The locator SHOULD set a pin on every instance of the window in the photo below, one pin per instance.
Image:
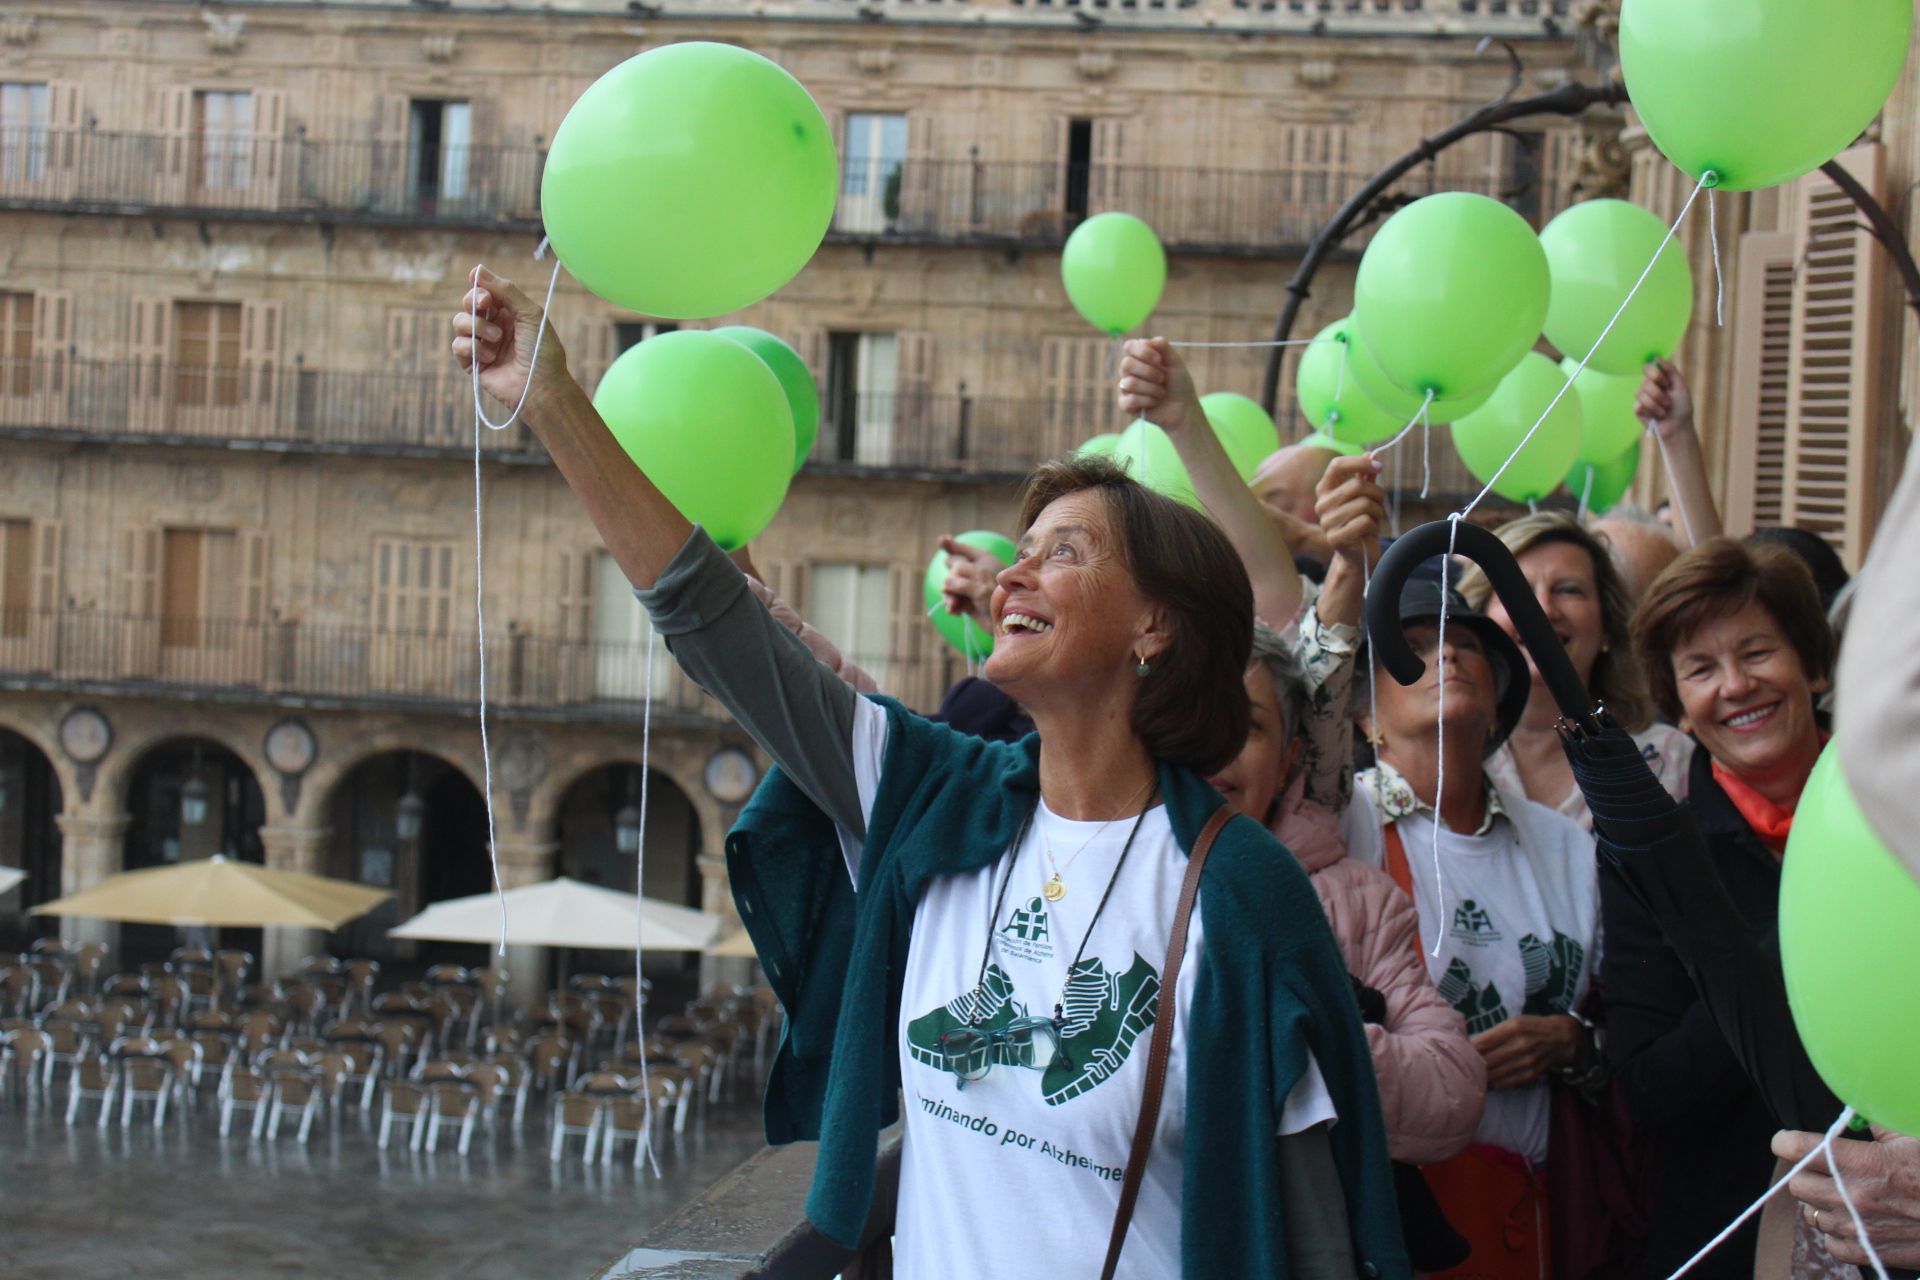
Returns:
(852, 606)
(862, 382)
(16, 577)
(223, 125)
(413, 586)
(628, 334)
(206, 354)
(873, 162)
(16, 344)
(620, 631)
(439, 151)
(24, 117)
(1079, 167)
(199, 573)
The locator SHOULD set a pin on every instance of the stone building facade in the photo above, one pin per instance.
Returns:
(237, 467)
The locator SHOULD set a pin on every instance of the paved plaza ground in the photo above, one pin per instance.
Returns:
(184, 1202)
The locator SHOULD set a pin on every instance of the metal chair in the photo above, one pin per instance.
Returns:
(575, 1115)
(403, 1103)
(244, 1090)
(93, 1078)
(149, 1080)
(451, 1101)
(293, 1088)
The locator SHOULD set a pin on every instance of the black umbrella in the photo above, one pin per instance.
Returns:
(1644, 835)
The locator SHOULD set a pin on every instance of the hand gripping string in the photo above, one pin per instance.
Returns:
(1527, 439)
(533, 360)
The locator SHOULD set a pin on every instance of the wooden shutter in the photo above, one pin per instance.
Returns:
(391, 178)
(49, 601)
(907, 624)
(250, 618)
(913, 389)
(429, 404)
(149, 344)
(1073, 391)
(1762, 356)
(173, 124)
(921, 184)
(66, 126)
(591, 352)
(262, 343)
(52, 350)
(1054, 150)
(1835, 374)
(139, 606)
(1107, 175)
(486, 192)
(573, 655)
(268, 147)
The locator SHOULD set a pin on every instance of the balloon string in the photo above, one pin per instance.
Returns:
(640, 912)
(1586, 494)
(1440, 731)
(1719, 278)
(480, 634)
(1624, 304)
(1418, 418)
(1426, 457)
(1825, 1148)
(1853, 1210)
(1396, 495)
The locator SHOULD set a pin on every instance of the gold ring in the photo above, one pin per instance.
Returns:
(1816, 1224)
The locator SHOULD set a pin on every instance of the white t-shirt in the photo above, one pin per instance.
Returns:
(1044, 1151)
(1521, 922)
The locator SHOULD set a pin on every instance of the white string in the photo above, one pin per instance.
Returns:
(1440, 729)
(1396, 495)
(480, 632)
(533, 360)
(1426, 456)
(640, 911)
(1846, 1117)
(1373, 688)
(1719, 279)
(1586, 494)
(1533, 506)
(1624, 304)
(1294, 342)
(1853, 1211)
(1418, 418)
(1679, 507)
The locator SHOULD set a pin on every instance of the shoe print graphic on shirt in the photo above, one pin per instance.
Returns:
(1104, 1014)
(1482, 1007)
(988, 1007)
(1553, 973)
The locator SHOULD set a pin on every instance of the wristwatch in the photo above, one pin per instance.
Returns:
(1589, 1078)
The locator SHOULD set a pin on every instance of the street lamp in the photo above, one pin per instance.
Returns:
(626, 824)
(411, 813)
(194, 796)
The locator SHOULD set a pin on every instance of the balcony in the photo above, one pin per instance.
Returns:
(285, 661)
(1008, 204)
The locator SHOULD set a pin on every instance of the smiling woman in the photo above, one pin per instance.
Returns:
(1736, 648)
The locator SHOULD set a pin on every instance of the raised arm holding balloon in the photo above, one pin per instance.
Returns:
(1665, 404)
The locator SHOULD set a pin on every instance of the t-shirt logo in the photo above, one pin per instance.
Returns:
(1481, 1006)
(1472, 924)
(1553, 973)
(1027, 934)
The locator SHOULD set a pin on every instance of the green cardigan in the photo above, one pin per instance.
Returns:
(1270, 984)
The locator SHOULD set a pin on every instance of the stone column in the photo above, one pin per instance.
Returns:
(301, 849)
(529, 969)
(92, 847)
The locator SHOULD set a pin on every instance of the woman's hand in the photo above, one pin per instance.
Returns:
(1155, 385)
(1353, 509)
(971, 574)
(1665, 403)
(1522, 1050)
(1883, 1177)
(508, 323)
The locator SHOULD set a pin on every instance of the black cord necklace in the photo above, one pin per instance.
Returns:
(986, 952)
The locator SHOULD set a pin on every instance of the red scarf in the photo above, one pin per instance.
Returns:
(1769, 821)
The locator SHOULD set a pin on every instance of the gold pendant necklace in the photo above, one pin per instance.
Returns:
(1056, 888)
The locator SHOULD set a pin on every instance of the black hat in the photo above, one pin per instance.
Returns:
(1420, 599)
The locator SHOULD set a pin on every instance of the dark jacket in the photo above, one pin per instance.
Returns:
(1709, 1125)
(1270, 985)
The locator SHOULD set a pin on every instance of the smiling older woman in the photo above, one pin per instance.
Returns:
(1736, 648)
(978, 927)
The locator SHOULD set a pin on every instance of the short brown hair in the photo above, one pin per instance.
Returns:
(1721, 577)
(1193, 709)
(1616, 680)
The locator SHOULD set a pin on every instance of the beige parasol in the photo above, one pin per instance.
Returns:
(565, 913)
(220, 892)
(9, 877)
(735, 946)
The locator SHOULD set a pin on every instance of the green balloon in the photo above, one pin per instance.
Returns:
(1244, 429)
(1486, 437)
(1758, 92)
(1850, 947)
(708, 423)
(1450, 294)
(1608, 425)
(1401, 405)
(969, 639)
(1114, 269)
(803, 397)
(1609, 480)
(1100, 446)
(1321, 440)
(1596, 252)
(691, 180)
(1330, 396)
(1149, 456)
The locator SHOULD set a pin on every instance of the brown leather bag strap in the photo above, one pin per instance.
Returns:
(1161, 1047)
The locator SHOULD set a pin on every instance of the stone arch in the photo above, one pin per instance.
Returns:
(117, 770)
(30, 834)
(338, 759)
(44, 740)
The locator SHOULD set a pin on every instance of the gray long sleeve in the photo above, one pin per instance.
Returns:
(1319, 1233)
(729, 645)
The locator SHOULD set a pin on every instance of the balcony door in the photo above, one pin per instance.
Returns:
(415, 648)
(212, 613)
(35, 341)
(439, 154)
(873, 165)
(862, 385)
(620, 630)
(852, 605)
(30, 599)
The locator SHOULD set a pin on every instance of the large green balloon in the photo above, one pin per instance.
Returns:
(709, 424)
(1401, 405)
(1608, 426)
(1850, 948)
(691, 180)
(1244, 429)
(803, 397)
(1114, 269)
(1487, 436)
(1321, 440)
(1759, 92)
(1330, 396)
(969, 639)
(1100, 446)
(1609, 480)
(1149, 456)
(1451, 293)
(1595, 253)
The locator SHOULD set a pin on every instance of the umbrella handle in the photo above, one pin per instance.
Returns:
(1389, 640)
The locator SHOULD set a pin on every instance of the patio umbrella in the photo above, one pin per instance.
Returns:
(220, 892)
(735, 946)
(564, 913)
(1644, 835)
(9, 877)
